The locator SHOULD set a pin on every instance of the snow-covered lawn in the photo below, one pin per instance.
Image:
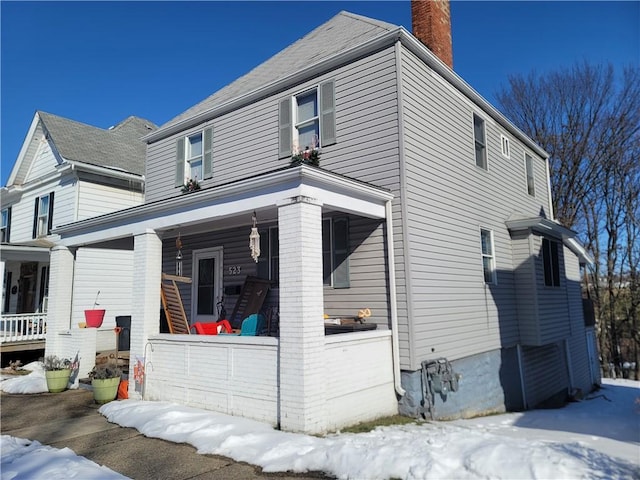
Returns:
(597, 438)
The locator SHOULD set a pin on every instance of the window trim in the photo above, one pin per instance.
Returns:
(491, 255)
(551, 263)
(296, 124)
(182, 163)
(5, 225)
(36, 233)
(485, 156)
(334, 253)
(189, 158)
(531, 185)
(505, 146)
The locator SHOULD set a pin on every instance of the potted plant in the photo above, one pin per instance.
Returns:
(94, 317)
(104, 381)
(57, 372)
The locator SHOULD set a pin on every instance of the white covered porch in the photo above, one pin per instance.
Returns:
(302, 381)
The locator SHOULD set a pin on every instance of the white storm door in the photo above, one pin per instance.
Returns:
(206, 289)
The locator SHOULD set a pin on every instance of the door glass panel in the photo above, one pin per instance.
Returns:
(206, 269)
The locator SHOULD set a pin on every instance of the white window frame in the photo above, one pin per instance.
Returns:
(482, 143)
(4, 225)
(42, 229)
(529, 174)
(490, 255)
(189, 158)
(297, 124)
(505, 146)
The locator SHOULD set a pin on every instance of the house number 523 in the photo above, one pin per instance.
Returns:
(235, 270)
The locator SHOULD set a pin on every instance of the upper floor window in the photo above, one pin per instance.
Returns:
(307, 120)
(551, 263)
(43, 216)
(479, 138)
(335, 252)
(505, 145)
(194, 157)
(488, 258)
(528, 164)
(5, 225)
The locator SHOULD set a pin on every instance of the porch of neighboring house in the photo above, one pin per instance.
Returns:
(291, 374)
(25, 273)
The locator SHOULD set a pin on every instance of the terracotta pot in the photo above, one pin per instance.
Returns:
(57, 380)
(94, 318)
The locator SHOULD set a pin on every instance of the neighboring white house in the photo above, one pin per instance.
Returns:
(429, 208)
(67, 171)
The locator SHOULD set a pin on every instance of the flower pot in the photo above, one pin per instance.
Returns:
(105, 389)
(94, 318)
(57, 380)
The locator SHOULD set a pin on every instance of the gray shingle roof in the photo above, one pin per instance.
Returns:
(118, 147)
(345, 30)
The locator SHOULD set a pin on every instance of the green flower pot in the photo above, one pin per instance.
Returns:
(57, 380)
(105, 389)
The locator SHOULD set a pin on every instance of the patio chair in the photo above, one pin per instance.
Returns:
(252, 326)
(212, 328)
(172, 303)
(252, 296)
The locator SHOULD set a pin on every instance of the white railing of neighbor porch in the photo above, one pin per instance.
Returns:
(22, 327)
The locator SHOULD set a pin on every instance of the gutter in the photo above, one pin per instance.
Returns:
(395, 343)
(106, 171)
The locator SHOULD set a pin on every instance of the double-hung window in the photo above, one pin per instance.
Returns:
(480, 142)
(5, 225)
(528, 166)
(307, 120)
(335, 252)
(488, 257)
(43, 216)
(194, 157)
(551, 263)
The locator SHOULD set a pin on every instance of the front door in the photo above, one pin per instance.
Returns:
(207, 285)
(27, 288)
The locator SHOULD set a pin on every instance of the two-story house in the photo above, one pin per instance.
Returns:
(66, 171)
(429, 208)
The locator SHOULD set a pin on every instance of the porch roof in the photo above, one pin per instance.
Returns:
(265, 191)
(34, 252)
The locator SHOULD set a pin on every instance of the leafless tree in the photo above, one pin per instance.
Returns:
(588, 120)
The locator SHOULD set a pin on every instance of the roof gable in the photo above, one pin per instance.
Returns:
(118, 147)
(341, 32)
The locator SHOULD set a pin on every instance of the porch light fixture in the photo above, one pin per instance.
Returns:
(254, 239)
(179, 256)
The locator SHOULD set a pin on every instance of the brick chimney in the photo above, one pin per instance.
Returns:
(431, 23)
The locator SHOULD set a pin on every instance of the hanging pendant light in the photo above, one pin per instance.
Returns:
(179, 256)
(254, 239)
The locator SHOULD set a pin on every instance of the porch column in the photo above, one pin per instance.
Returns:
(302, 385)
(61, 266)
(145, 311)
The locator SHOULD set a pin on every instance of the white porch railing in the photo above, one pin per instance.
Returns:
(22, 327)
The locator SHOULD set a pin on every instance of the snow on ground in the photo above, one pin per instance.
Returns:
(597, 438)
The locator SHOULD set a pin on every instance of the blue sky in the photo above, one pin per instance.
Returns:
(99, 62)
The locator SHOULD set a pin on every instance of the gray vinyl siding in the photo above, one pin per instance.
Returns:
(581, 373)
(367, 148)
(553, 314)
(367, 262)
(448, 198)
(526, 288)
(544, 371)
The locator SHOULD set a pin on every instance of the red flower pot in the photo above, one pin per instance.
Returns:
(94, 318)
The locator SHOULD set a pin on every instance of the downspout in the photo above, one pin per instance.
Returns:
(395, 344)
(521, 371)
(551, 212)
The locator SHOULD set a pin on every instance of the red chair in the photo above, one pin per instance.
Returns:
(213, 328)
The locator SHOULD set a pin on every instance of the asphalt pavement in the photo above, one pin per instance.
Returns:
(71, 419)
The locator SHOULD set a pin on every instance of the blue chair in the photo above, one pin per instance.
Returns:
(251, 326)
